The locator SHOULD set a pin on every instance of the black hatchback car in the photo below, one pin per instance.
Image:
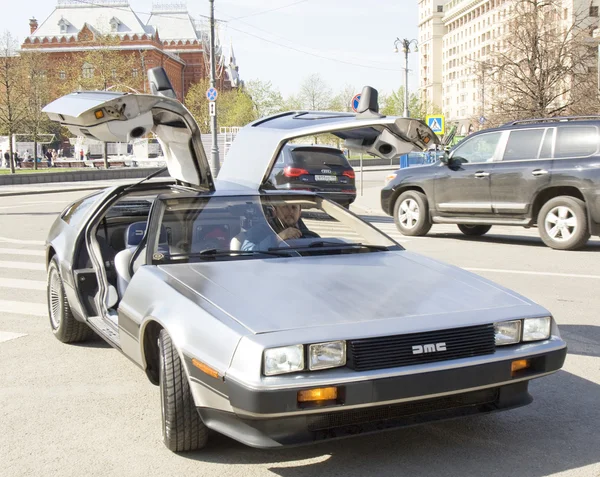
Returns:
(542, 172)
(321, 169)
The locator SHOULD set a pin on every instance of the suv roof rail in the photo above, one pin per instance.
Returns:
(549, 120)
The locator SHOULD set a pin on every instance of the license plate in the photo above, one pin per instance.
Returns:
(326, 178)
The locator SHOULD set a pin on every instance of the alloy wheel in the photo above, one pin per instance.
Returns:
(409, 213)
(561, 223)
(55, 298)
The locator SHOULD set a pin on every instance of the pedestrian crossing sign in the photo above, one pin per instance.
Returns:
(437, 124)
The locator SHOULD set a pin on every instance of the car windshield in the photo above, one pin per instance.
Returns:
(207, 228)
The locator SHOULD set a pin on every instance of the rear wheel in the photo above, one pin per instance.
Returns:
(411, 213)
(64, 325)
(562, 223)
(474, 230)
(182, 428)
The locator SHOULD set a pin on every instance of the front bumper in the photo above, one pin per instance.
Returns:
(386, 199)
(265, 418)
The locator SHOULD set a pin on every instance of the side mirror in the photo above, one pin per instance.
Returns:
(445, 158)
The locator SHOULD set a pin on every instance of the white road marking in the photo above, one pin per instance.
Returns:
(28, 242)
(28, 204)
(526, 272)
(23, 265)
(22, 251)
(7, 336)
(22, 308)
(22, 284)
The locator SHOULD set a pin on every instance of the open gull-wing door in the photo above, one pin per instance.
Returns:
(256, 147)
(120, 117)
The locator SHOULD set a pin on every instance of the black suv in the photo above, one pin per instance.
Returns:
(543, 172)
(321, 169)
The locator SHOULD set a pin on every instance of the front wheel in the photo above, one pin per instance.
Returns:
(64, 325)
(562, 223)
(474, 230)
(182, 428)
(411, 213)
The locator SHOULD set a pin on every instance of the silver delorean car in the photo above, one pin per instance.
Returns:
(277, 317)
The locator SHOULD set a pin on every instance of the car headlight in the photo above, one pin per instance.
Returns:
(507, 332)
(327, 355)
(287, 359)
(535, 329)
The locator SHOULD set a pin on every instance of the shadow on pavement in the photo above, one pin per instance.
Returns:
(592, 246)
(556, 433)
(583, 340)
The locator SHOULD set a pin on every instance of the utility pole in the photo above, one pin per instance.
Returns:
(215, 165)
(406, 50)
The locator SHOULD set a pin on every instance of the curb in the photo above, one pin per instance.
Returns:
(51, 191)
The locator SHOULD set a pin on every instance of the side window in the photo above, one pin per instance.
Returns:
(523, 144)
(576, 141)
(74, 214)
(478, 149)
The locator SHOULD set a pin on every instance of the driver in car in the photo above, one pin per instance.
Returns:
(284, 225)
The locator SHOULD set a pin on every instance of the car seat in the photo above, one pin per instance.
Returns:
(134, 234)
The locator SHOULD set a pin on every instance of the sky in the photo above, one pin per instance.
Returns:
(348, 42)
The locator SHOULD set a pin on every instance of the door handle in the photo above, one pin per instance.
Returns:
(480, 174)
(539, 172)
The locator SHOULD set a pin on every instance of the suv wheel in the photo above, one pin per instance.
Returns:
(562, 223)
(474, 230)
(411, 213)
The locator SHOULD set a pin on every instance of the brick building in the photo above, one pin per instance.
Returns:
(171, 38)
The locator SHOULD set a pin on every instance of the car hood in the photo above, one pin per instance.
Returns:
(281, 294)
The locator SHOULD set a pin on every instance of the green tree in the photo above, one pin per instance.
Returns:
(315, 94)
(13, 100)
(265, 98)
(393, 105)
(234, 108)
(343, 100)
(37, 91)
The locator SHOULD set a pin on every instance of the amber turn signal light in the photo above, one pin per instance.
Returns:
(318, 394)
(518, 365)
(205, 369)
(99, 114)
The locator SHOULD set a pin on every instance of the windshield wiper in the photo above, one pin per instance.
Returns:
(325, 243)
(214, 252)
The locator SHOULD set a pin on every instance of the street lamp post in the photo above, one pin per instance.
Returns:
(406, 50)
(215, 147)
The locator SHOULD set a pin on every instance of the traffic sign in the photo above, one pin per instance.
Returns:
(211, 94)
(212, 108)
(355, 102)
(437, 124)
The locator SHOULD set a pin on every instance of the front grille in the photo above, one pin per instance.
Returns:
(393, 351)
(472, 400)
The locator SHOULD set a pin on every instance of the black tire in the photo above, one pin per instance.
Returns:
(182, 428)
(422, 225)
(577, 229)
(474, 230)
(62, 322)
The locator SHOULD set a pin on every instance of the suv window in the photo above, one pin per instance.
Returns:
(523, 144)
(481, 148)
(576, 141)
(318, 158)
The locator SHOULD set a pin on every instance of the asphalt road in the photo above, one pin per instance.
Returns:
(70, 410)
